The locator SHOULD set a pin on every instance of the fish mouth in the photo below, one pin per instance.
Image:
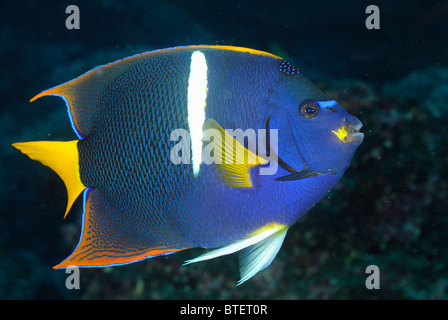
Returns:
(354, 133)
(350, 131)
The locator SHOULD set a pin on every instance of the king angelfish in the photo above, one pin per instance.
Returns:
(214, 147)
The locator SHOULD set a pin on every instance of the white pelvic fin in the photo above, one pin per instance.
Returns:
(261, 250)
(259, 256)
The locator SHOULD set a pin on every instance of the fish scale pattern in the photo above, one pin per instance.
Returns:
(126, 156)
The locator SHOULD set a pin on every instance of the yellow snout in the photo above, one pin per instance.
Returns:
(350, 132)
(341, 133)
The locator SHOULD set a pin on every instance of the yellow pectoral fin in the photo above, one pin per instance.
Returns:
(60, 156)
(234, 169)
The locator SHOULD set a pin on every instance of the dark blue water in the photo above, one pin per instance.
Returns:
(389, 210)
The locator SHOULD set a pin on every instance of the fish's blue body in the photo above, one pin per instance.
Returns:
(140, 204)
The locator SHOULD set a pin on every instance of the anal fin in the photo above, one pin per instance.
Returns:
(104, 242)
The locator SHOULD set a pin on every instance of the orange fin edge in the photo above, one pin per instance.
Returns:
(97, 248)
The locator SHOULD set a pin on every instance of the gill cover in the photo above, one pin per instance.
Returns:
(292, 90)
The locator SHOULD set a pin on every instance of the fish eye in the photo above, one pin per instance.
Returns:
(309, 109)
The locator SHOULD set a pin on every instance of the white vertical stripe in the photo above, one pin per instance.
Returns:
(197, 95)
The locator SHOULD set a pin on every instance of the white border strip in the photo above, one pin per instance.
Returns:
(197, 96)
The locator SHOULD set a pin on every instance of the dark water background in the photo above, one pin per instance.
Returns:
(389, 210)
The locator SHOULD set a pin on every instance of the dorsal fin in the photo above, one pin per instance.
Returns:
(81, 94)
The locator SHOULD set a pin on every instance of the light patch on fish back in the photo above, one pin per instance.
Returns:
(197, 96)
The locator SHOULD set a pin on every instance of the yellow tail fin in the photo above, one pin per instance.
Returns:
(60, 156)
